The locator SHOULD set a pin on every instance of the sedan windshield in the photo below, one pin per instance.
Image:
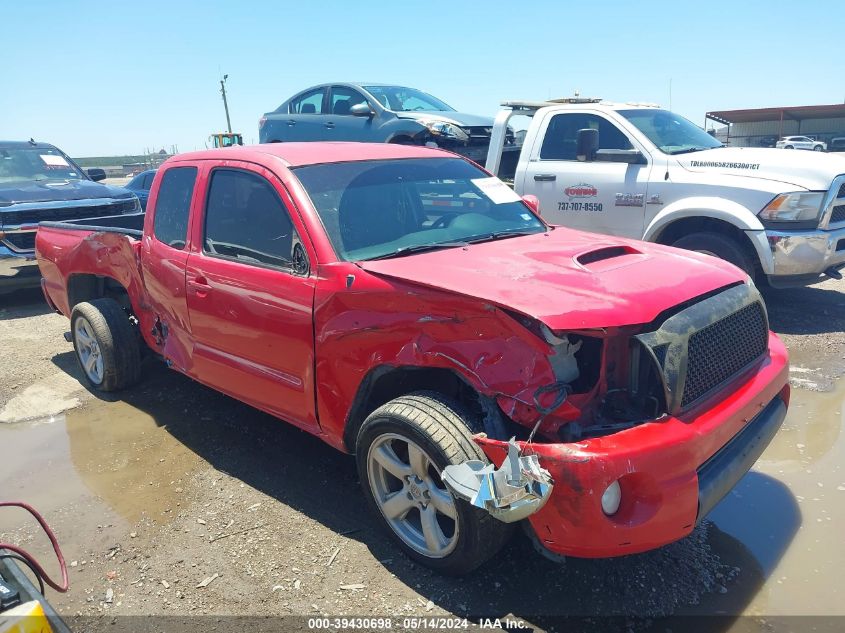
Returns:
(401, 99)
(672, 134)
(26, 164)
(394, 208)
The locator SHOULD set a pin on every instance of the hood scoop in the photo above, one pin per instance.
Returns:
(608, 257)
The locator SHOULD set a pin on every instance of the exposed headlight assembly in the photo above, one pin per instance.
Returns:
(444, 129)
(799, 207)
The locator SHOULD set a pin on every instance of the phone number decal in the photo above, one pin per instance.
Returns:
(579, 206)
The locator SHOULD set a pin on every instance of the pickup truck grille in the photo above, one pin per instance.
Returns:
(723, 349)
(838, 214)
(707, 344)
(20, 241)
(60, 214)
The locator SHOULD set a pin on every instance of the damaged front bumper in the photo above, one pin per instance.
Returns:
(510, 493)
(670, 472)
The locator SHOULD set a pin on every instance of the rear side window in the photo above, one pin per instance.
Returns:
(246, 221)
(173, 205)
(309, 103)
(561, 140)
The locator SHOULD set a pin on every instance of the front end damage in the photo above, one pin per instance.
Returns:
(610, 459)
(510, 493)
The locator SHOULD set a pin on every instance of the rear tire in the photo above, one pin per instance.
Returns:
(789, 147)
(417, 436)
(106, 345)
(717, 245)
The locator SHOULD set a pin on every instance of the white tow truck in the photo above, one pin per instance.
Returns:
(642, 172)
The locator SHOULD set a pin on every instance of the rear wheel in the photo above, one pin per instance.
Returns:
(789, 147)
(106, 345)
(717, 245)
(402, 448)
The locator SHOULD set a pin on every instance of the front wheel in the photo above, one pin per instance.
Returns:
(818, 148)
(402, 448)
(717, 245)
(106, 345)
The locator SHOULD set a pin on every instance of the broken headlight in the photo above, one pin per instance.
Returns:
(444, 129)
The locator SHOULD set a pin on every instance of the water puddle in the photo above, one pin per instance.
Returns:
(106, 456)
(780, 524)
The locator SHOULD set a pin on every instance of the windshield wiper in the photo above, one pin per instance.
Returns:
(419, 248)
(694, 149)
(500, 235)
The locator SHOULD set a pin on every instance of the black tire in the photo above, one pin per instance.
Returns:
(402, 140)
(789, 147)
(818, 148)
(439, 426)
(118, 343)
(718, 245)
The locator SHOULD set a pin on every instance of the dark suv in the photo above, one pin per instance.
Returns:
(40, 182)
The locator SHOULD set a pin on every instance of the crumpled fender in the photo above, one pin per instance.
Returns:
(391, 324)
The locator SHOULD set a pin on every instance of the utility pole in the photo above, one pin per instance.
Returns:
(225, 103)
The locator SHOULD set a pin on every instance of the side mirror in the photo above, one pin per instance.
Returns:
(587, 144)
(361, 109)
(96, 174)
(630, 156)
(532, 202)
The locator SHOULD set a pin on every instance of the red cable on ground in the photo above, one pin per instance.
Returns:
(40, 570)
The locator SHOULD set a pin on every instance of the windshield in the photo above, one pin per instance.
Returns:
(374, 209)
(401, 99)
(671, 133)
(26, 164)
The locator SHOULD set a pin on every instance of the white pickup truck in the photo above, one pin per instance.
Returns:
(639, 171)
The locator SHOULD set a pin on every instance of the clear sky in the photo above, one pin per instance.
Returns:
(100, 78)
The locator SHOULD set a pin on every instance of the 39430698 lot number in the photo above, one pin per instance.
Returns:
(579, 206)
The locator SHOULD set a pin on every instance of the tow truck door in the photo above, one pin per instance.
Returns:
(598, 196)
(251, 292)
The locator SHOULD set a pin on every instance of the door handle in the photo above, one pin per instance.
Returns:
(291, 122)
(544, 177)
(330, 125)
(199, 285)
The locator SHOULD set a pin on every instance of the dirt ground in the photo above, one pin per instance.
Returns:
(175, 499)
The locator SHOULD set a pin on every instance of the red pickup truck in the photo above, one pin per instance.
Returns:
(405, 306)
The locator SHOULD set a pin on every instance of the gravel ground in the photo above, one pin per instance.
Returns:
(197, 504)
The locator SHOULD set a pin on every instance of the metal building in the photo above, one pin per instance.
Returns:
(762, 127)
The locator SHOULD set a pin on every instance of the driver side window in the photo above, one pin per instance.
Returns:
(247, 222)
(343, 99)
(561, 139)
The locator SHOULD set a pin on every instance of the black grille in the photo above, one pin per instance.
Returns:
(841, 193)
(838, 214)
(723, 349)
(21, 241)
(33, 216)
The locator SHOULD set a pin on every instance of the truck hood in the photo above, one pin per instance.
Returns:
(56, 191)
(567, 279)
(802, 169)
(458, 118)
